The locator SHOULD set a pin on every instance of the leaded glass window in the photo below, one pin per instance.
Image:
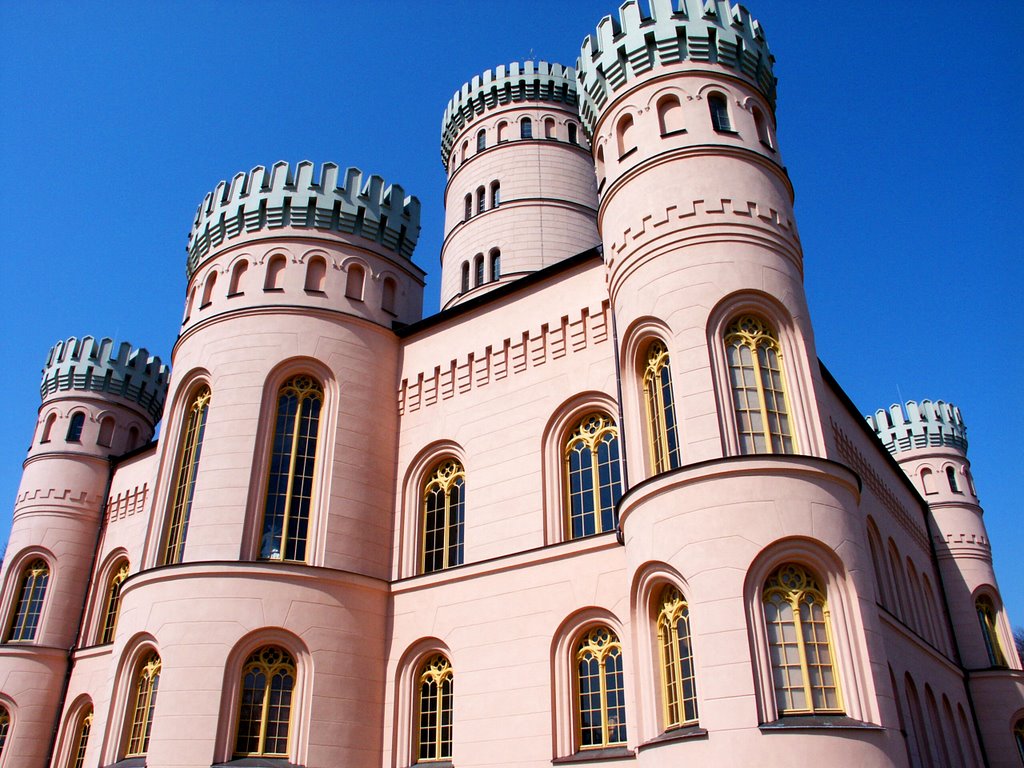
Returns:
(81, 741)
(185, 476)
(990, 634)
(444, 508)
(29, 604)
(113, 605)
(143, 704)
(600, 689)
(679, 688)
(592, 475)
(5, 726)
(434, 710)
(663, 429)
(264, 719)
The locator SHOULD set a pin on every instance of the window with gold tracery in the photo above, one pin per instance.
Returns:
(592, 476)
(758, 387)
(185, 476)
(144, 702)
(662, 428)
(600, 690)
(113, 604)
(29, 604)
(987, 618)
(678, 680)
(1018, 735)
(264, 718)
(78, 747)
(444, 508)
(434, 710)
(5, 726)
(292, 467)
(799, 642)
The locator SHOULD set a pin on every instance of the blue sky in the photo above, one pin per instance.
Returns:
(901, 132)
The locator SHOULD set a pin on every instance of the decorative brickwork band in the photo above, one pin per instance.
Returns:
(89, 366)
(529, 81)
(707, 31)
(920, 425)
(262, 199)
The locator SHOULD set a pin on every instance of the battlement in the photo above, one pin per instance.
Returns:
(674, 31)
(920, 425)
(88, 365)
(529, 81)
(287, 197)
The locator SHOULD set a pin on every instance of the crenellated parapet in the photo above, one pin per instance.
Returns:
(675, 31)
(528, 81)
(920, 425)
(282, 196)
(87, 365)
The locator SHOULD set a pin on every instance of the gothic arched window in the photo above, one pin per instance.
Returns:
(185, 476)
(147, 680)
(662, 427)
(5, 726)
(113, 605)
(29, 604)
(592, 475)
(434, 710)
(75, 427)
(292, 466)
(264, 718)
(719, 109)
(600, 690)
(81, 742)
(444, 509)
(678, 679)
(989, 630)
(758, 387)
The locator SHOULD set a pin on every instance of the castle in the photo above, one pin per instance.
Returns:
(606, 507)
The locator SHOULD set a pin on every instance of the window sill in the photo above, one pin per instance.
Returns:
(315, 292)
(728, 132)
(683, 733)
(257, 762)
(273, 290)
(594, 755)
(677, 132)
(818, 722)
(129, 762)
(627, 153)
(204, 306)
(436, 763)
(768, 146)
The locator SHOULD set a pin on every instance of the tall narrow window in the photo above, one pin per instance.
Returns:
(758, 388)
(549, 128)
(147, 681)
(986, 610)
(469, 207)
(316, 275)
(388, 293)
(761, 126)
(48, 428)
(354, 282)
(481, 200)
(465, 151)
(592, 479)
(481, 140)
(1018, 736)
(601, 699)
(78, 746)
(526, 128)
(719, 109)
(211, 282)
(444, 509)
(502, 131)
(465, 276)
(275, 274)
(75, 427)
(292, 464)
(113, 605)
(106, 438)
(573, 138)
(663, 433)
(678, 681)
(264, 716)
(5, 726)
(495, 264)
(599, 161)
(624, 136)
(495, 194)
(797, 620)
(670, 115)
(185, 477)
(951, 479)
(29, 604)
(434, 710)
(236, 286)
(478, 270)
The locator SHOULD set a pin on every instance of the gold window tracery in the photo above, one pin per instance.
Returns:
(185, 476)
(113, 605)
(662, 426)
(678, 679)
(434, 710)
(986, 610)
(144, 703)
(81, 739)
(600, 690)
(29, 603)
(264, 718)
(444, 509)
(592, 476)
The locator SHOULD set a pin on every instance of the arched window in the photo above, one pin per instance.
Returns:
(951, 478)
(678, 680)
(133, 437)
(113, 605)
(185, 475)
(316, 275)
(758, 387)
(434, 710)
(236, 286)
(663, 434)
(5, 726)
(106, 437)
(986, 610)
(465, 276)
(495, 194)
(211, 282)
(670, 115)
(495, 264)
(275, 274)
(189, 304)
(797, 621)
(444, 509)
(526, 128)
(573, 134)
(549, 128)
(469, 207)
(761, 126)
(928, 481)
(481, 140)
(624, 136)
(881, 581)
(478, 270)
(354, 282)
(29, 603)
(599, 160)
(264, 717)
(481, 200)
(502, 131)
(292, 466)
(147, 680)
(81, 739)
(1018, 736)
(719, 109)
(898, 583)
(465, 151)
(592, 479)
(75, 427)
(388, 292)
(48, 428)
(600, 691)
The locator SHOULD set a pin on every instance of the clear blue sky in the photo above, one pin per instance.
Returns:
(900, 123)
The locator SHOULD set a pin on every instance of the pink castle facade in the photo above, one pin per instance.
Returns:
(606, 507)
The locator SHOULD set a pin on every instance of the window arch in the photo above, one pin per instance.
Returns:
(478, 270)
(592, 475)
(678, 679)
(502, 131)
(670, 115)
(799, 638)
(526, 128)
(573, 133)
(495, 194)
(600, 702)
(469, 207)
(113, 603)
(76, 757)
(481, 140)
(388, 293)
(211, 282)
(549, 128)
(147, 681)
(875, 548)
(106, 436)
(761, 126)
(624, 135)
(444, 509)
(236, 286)
(316, 274)
(928, 481)
(757, 381)
(719, 108)
(434, 709)
(599, 161)
(48, 428)
(354, 282)
(5, 727)
(987, 618)
(185, 475)
(75, 427)
(465, 152)
(29, 604)
(954, 486)
(292, 465)
(495, 255)
(465, 276)
(662, 426)
(264, 718)
(481, 200)
(275, 274)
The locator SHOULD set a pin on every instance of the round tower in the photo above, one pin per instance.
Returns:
(99, 399)
(521, 192)
(272, 509)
